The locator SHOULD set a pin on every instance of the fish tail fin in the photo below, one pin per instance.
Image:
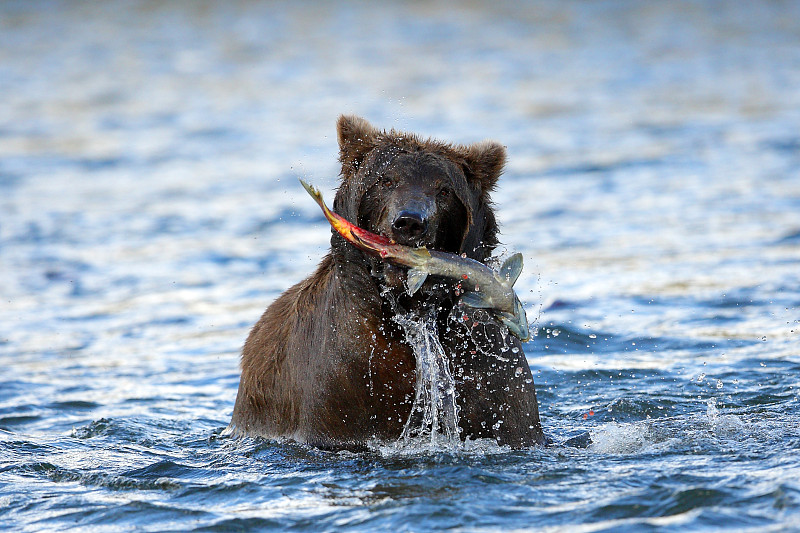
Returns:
(517, 323)
(518, 329)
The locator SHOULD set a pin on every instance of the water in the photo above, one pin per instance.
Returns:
(149, 211)
(433, 423)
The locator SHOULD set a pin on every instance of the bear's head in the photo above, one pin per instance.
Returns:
(417, 192)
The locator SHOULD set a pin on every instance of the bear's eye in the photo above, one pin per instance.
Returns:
(387, 182)
(444, 193)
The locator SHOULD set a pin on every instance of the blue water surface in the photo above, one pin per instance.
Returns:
(150, 211)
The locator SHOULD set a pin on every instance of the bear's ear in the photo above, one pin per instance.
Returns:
(356, 138)
(484, 162)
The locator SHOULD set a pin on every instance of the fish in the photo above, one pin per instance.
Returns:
(481, 286)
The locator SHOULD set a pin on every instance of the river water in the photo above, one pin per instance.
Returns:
(150, 211)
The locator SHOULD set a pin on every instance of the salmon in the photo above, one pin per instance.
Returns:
(482, 287)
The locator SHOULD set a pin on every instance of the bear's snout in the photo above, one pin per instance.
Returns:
(409, 226)
(412, 217)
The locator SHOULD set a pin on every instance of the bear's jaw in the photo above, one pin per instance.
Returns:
(435, 293)
(392, 277)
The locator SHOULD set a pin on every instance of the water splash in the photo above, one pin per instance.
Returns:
(723, 425)
(433, 422)
(701, 430)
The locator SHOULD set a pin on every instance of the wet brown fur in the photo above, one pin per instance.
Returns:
(327, 365)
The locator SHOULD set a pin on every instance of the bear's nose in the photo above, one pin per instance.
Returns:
(409, 225)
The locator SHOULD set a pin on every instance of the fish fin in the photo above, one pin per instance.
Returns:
(422, 252)
(517, 327)
(474, 299)
(517, 323)
(415, 279)
(511, 269)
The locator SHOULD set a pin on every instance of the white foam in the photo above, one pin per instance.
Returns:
(658, 434)
(421, 446)
(619, 438)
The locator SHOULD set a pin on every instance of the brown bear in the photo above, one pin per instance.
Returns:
(329, 365)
